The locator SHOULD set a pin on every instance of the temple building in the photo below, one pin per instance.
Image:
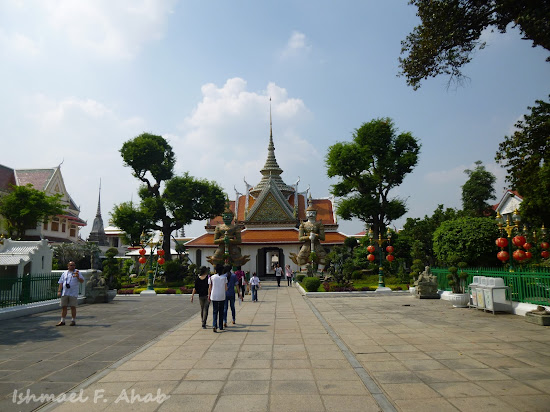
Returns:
(269, 214)
(59, 229)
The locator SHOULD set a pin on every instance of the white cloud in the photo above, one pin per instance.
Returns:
(226, 136)
(101, 28)
(297, 45)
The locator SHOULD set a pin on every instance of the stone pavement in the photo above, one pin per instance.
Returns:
(37, 356)
(290, 353)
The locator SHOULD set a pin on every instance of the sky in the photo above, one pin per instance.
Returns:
(80, 78)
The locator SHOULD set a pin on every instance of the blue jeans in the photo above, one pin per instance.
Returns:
(254, 293)
(217, 307)
(229, 300)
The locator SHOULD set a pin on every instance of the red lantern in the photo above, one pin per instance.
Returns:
(160, 252)
(503, 256)
(142, 260)
(528, 255)
(527, 246)
(371, 257)
(389, 249)
(519, 255)
(390, 258)
(502, 242)
(544, 245)
(370, 249)
(142, 252)
(545, 254)
(519, 240)
(161, 261)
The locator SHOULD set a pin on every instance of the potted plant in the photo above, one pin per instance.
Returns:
(457, 281)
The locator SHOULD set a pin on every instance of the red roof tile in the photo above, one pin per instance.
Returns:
(266, 237)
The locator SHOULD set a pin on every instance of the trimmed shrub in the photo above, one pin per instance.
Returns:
(326, 286)
(165, 291)
(300, 278)
(186, 290)
(125, 292)
(311, 284)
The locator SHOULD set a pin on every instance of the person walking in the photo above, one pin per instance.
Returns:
(278, 274)
(289, 274)
(254, 286)
(241, 281)
(232, 288)
(68, 292)
(217, 285)
(201, 287)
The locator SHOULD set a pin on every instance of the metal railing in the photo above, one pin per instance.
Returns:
(527, 285)
(26, 289)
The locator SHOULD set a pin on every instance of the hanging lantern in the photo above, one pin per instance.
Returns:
(160, 261)
(519, 240)
(142, 252)
(389, 249)
(370, 249)
(545, 254)
(390, 258)
(142, 260)
(527, 246)
(160, 252)
(503, 256)
(371, 257)
(502, 242)
(519, 255)
(544, 245)
(528, 255)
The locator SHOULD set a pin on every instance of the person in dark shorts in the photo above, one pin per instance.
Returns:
(201, 287)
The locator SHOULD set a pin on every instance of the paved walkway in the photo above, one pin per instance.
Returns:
(290, 353)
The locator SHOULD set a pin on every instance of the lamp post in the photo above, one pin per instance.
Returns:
(381, 285)
(520, 240)
(153, 245)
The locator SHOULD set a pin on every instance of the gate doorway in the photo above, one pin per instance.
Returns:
(266, 260)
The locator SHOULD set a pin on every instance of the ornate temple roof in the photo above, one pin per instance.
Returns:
(271, 169)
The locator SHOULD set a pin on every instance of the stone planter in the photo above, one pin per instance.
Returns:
(459, 300)
(111, 294)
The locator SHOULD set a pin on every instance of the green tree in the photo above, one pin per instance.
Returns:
(526, 157)
(477, 190)
(183, 199)
(24, 207)
(467, 239)
(134, 221)
(80, 253)
(376, 161)
(450, 32)
(111, 268)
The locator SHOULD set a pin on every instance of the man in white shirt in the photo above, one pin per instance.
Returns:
(278, 274)
(217, 286)
(68, 291)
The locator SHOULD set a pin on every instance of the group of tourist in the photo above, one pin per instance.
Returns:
(289, 274)
(221, 289)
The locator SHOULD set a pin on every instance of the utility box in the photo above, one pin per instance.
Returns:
(472, 290)
(495, 296)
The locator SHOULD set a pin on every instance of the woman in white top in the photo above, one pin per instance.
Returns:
(217, 285)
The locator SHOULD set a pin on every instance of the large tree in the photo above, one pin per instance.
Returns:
(478, 189)
(374, 162)
(526, 157)
(415, 241)
(24, 207)
(466, 239)
(183, 199)
(450, 31)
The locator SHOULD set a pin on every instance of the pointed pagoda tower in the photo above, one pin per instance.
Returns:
(97, 234)
(271, 170)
